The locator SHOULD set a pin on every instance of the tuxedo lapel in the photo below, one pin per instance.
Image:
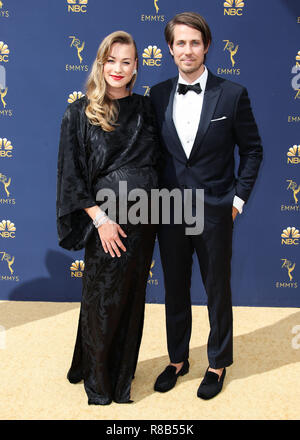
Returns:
(178, 149)
(210, 100)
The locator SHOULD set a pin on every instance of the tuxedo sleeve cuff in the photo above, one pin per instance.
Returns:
(238, 204)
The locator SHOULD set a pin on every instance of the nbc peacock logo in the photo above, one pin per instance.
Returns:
(74, 96)
(290, 236)
(233, 7)
(293, 155)
(77, 5)
(4, 52)
(77, 269)
(7, 229)
(6, 148)
(152, 56)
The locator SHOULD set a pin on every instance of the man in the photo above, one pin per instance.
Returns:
(201, 118)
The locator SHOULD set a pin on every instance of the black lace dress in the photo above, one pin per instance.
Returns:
(113, 295)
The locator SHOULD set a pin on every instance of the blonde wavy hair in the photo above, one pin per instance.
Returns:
(101, 109)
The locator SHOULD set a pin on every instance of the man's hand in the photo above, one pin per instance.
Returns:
(109, 236)
(234, 212)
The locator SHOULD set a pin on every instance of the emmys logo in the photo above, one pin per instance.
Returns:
(4, 51)
(151, 281)
(5, 148)
(74, 96)
(233, 7)
(289, 267)
(295, 189)
(77, 5)
(5, 183)
(147, 90)
(152, 56)
(3, 13)
(293, 155)
(290, 236)
(296, 79)
(3, 93)
(2, 77)
(157, 16)
(7, 259)
(7, 229)
(232, 49)
(77, 268)
(7, 262)
(229, 46)
(79, 46)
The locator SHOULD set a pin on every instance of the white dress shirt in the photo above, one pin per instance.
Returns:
(186, 116)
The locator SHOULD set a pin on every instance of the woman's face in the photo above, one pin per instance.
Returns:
(119, 67)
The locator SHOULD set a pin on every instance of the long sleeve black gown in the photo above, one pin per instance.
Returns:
(113, 289)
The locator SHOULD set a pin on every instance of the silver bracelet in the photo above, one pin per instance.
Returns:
(100, 216)
(100, 222)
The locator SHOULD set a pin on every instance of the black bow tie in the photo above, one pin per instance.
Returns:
(183, 88)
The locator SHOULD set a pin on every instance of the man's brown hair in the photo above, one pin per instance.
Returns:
(191, 19)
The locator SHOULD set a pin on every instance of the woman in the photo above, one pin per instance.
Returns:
(107, 136)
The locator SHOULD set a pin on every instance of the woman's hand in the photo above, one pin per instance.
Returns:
(109, 236)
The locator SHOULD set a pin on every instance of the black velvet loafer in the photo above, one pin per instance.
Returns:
(168, 378)
(211, 385)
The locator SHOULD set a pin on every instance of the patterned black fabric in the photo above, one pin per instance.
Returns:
(113, 296)
(90, 159)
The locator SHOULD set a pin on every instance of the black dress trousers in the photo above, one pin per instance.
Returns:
(214, 250)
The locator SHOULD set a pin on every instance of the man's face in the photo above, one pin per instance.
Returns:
(188, 51)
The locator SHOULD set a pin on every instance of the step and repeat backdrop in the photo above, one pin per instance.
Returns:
(46, 50)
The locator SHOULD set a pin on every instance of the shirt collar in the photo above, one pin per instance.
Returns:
(202, 79)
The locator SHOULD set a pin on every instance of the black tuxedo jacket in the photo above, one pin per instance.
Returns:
(226, 121)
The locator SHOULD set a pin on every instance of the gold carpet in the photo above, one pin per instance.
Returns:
(36, 347)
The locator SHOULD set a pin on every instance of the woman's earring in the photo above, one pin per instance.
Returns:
(134, 72)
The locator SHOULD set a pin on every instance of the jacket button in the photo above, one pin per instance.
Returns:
(188, 165)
